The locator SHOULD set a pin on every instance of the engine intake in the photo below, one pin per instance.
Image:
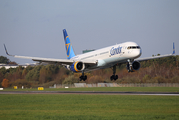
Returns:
(77, 66)
(135, 66)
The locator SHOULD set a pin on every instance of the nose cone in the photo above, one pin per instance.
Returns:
(137, 53)
(140, 52)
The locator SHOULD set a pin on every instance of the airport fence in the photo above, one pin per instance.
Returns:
(77, 85)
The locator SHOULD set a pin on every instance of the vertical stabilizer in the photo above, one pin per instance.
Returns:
(69, 49)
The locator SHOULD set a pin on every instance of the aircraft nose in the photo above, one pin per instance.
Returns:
(138, 53)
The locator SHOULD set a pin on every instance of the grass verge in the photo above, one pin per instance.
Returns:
(126, 89)
(80, 107)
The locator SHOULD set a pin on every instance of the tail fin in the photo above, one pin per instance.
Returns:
(69, 49)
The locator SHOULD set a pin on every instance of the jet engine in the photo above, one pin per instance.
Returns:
(134, 66)
(77, 66)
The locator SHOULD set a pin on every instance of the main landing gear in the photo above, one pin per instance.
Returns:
(83, 77)
(114, 77)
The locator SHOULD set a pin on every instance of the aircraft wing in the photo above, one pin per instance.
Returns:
(155, 57)
(51, 60)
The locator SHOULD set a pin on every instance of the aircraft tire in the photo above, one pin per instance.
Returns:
(83, 78)
(114, 77)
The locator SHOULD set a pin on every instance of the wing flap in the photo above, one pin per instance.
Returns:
(54, 61)
(47, 60)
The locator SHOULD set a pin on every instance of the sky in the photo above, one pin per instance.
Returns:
(34, 27)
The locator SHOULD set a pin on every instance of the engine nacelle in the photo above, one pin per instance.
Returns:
(77, 66)
(135, 66)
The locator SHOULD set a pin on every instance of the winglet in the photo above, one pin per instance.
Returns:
(6, 51)
(173, 48)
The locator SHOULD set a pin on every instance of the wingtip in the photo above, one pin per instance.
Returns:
(6, 49)
(173, 48)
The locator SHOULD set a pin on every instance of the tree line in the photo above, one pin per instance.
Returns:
(162, 70)
(5, 60)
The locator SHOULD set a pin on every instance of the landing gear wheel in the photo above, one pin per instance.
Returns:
(83, 77)
(114, 77)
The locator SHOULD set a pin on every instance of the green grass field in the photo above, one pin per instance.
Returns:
(127, 89)
(85, 107)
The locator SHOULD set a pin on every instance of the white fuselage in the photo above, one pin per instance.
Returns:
(109, 56)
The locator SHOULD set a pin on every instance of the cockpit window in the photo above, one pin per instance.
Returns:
(133, 47)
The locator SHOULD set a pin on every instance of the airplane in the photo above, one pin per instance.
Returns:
(108, 57)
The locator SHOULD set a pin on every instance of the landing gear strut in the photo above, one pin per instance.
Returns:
(129, 65)
(114, 77)
(83, 77)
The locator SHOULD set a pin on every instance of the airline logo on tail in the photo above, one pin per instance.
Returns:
(69, 50)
